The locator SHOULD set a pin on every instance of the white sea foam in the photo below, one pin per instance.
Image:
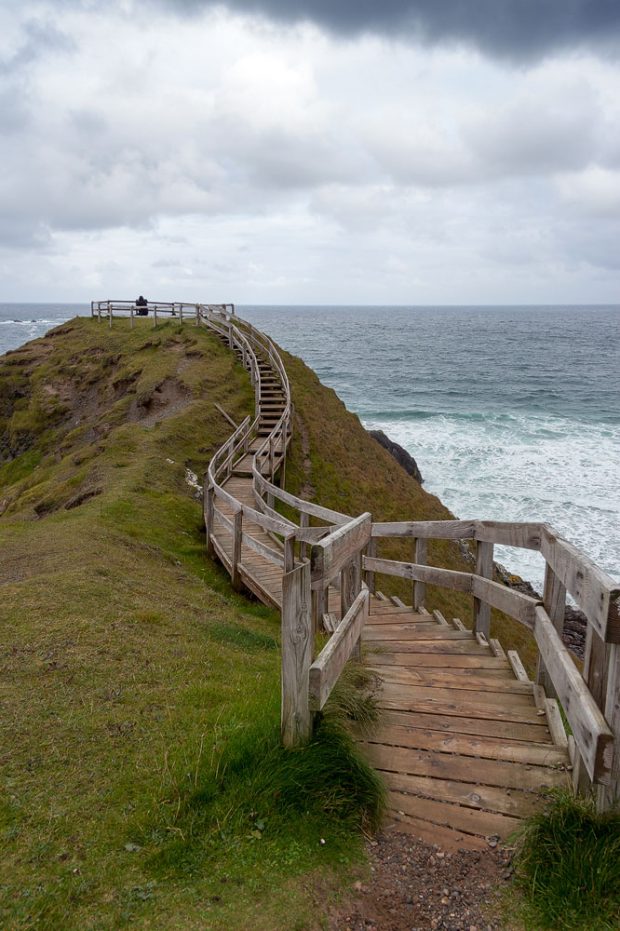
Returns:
(523, 468)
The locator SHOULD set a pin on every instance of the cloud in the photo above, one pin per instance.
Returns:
(512, 28)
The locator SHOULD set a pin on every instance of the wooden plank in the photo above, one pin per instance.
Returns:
(525, 535)
(457, 623)
(296, 720)
(517, 666)
(470, 820)
(480, 663)
(518, 732)
(592, 735)
(554, 723)
(237, 536)
(446, 838)
(609, 795)
(326, 669)
(441, 619)
(267, 551)
(429, 639)
(452, 766)
(396, 601)
(446, 578)
(511, 602)
(328, 556)
(492, 798)
(484, 568)
(497, 648)
(595, 592)
(554, 601)
(457, 706)
(395, 686)
(414, 631)
(468, 679)
(485, 747)
(314, 510)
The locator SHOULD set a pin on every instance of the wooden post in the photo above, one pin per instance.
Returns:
(197, 315)
(304, 521)
(296, 718)
(419, 588)
(609, 796)
(484, 568)
(595, 677)
(98, 313)
(289, 552)
(236, 548)
(180, 313)
(155, 315)
(350, 586)
(319, 608)
(554, 600)
(271, 459)
(371, 550)
(209, 507)
(131, 317)
(110, 315)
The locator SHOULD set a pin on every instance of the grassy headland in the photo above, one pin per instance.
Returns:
(143, 781)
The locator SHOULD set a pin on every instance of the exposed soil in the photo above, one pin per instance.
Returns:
(413, 886)
(166, 400)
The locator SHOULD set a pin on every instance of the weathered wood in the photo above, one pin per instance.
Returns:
(371, 550)
(511, 602)
(595, 592)
(592, 735)
(517, 666)
(484, 568)
(350, 585)
(420, 556)
(289, 552)
(225, 415)
(296, 656)
(328, 556)
(610, 795)
(326, 669)
(237, 536)
(554, 601)
(554, 723)
(525, 535)
(274, 556)
(446, 578)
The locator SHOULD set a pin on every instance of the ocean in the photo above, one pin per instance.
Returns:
(512, 413)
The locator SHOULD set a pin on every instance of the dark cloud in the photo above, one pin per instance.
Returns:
(513, 28)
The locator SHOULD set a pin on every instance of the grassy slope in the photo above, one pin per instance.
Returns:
(136, 685)
(349, 471)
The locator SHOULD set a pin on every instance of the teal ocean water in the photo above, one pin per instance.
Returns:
(512, 413)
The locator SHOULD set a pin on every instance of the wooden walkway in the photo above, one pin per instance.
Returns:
(463, 746)
(466, 743)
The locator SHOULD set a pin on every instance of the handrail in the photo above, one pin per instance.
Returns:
(346, 546)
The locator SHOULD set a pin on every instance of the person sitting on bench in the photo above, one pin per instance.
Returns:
(143, 306)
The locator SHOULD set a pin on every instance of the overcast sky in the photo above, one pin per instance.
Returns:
(311, 151)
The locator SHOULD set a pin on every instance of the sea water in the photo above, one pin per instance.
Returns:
(512, 413)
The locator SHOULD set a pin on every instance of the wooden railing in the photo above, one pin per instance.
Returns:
(590, 701)
(338, 552)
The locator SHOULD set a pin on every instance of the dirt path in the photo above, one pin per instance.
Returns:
(413, 886)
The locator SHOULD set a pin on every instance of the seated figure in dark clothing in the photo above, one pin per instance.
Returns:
(143, 306)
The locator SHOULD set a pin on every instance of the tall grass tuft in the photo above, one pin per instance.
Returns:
(568, 865)
(252, 788)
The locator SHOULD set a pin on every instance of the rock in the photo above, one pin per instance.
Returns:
(401, 455)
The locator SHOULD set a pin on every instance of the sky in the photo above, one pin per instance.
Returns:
(310, 151)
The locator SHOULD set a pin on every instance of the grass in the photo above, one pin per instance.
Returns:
(143, 782)
(568, 866)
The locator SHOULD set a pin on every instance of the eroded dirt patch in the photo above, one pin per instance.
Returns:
(170, 397)
(415, 886)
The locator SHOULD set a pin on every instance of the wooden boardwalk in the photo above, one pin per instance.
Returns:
(466, 743)
(463, 746)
